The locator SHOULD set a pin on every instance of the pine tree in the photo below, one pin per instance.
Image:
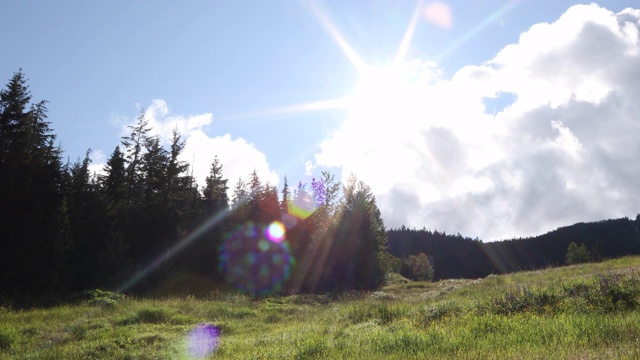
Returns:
(286, 197)
(114, 183)
(117, 261)
(240, 194)
(204, 255)
(31, 179)
(359, 242)
(87, 231)
(134, 146)
(239, 203)
(215, 191)
(331, 191)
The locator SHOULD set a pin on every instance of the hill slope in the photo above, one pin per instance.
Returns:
(454, 256)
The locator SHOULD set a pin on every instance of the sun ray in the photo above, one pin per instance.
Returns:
(338, 103)
(337, 37)
(179, 246)
(408, 35)
(386, 88)
(476, 29)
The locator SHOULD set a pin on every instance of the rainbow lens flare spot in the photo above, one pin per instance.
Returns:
(203, 340)
(276, 232)
(302, 208)
(256, 259)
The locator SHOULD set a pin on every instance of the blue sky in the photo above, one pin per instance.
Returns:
(240, 78)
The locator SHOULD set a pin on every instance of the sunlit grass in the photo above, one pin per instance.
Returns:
(586, 311)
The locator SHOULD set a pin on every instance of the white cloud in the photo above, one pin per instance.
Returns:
(98, 160)
(163, 124)
(565, 150)
(239, 158)
(308, 168)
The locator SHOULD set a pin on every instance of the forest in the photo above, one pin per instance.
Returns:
(455, 256)
(144, 226)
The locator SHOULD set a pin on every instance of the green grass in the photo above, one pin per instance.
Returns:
(577, 312)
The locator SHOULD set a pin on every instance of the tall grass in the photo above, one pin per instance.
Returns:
(588, 311)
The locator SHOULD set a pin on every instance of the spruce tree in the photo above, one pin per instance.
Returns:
(31, 179)
(286, 197)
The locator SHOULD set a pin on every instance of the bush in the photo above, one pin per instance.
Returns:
(604, 293)
(577, 254)
(152, 315)
(8, 336)
(426, 315)
(523, 299)
(102, 298)
(419, 267)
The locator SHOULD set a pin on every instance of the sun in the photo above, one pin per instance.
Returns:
(382, 92)
(386, 94)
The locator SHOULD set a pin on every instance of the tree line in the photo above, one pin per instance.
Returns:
(455, 256)
(145, 226)
(144, 222)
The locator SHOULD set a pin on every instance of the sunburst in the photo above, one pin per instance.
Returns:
(382, 93)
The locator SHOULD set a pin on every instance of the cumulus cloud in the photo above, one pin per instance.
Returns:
(239, 157)
(98, 160)
(563, 151)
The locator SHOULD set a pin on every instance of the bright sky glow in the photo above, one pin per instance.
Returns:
(492, 118)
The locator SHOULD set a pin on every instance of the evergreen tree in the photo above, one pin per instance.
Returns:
(134, 146)
(114, 183)
(286, 197)
(215, 191)
(117, 261)
(87, 232)
(31, 179)
(331, 189)
(254, 198)
(240, 194)
(204, 255)
(269, 205)
(357, 244)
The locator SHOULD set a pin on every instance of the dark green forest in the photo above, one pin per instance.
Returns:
(455, 256)
(144, 226)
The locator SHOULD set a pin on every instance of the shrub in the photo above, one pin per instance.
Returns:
(577, 254)
(102, 298)
(152, 315)
(8, 336)
(523, 299)
(419, 267)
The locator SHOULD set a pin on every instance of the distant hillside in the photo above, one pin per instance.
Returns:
(455, 256)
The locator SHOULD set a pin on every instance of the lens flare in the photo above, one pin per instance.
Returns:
(276, 232)
(301, 208)
(289, 221)
(203, 340)
(256, 259)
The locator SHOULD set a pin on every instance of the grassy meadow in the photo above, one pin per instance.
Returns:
(588, 311)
